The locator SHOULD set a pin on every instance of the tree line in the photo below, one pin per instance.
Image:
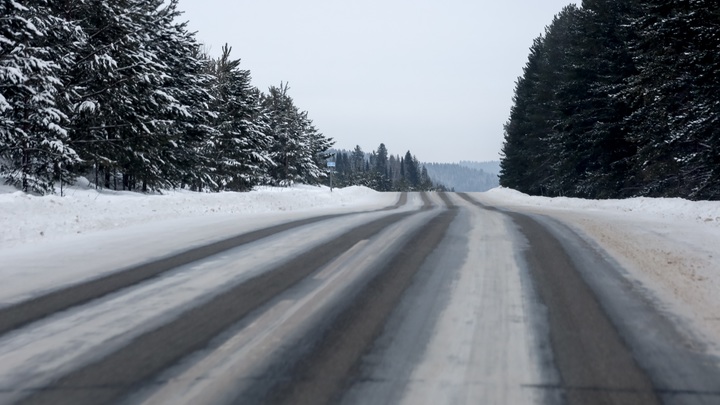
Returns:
(620, 99)
(381, 171)
(119, 91)
(462, 177)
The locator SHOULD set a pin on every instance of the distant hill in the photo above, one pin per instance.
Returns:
(492, 167)
(463, 177)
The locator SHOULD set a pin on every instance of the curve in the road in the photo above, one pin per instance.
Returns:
(25, 312)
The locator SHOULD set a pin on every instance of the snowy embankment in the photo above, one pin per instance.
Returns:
(51, 241)
(27, 218)
(670, 246)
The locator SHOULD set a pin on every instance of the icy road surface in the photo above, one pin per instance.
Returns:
(358, 298)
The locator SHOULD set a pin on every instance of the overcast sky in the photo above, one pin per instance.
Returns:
(433, 77)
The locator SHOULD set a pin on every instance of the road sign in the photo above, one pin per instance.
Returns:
(330, 164)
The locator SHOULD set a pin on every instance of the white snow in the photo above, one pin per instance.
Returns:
(70, 338)
(26, 218)
(671, 246)
(51, 241)
(482, 350)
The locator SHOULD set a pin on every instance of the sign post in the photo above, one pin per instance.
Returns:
(331, 165)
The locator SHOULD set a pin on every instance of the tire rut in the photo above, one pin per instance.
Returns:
(594, 363)
(323, 373)
(25, 312)
(129, 368)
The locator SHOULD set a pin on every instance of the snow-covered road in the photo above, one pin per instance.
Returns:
(483, 298)
(669, 247)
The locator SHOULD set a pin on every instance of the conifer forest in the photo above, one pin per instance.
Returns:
(617, 99)
(381, 171)
(122, 93)
(620, 99)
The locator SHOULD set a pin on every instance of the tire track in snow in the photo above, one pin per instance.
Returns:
(321, 375)
(23, 313)
(127, 369)
(680, 368)
(594, 363)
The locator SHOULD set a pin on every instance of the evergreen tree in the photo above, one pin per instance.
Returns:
(425, 182)
(603, 63)
(357, 163)
(675, 94)
(565, 135)
(240, 149)
(297, 145)
(359, 168)
(114, 88)
(412, 172)
(566, 80)
(523, 159)
(316, 172)
(122, 89)
(394, 169)
(284, 130)
(380, 167)
(185, 148)
(34, 149)
(344, 170)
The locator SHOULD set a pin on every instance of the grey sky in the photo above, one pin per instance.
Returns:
(435, 77)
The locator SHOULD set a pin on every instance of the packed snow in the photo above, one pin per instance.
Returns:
(52, 241)
(670, 246)
(82, 208)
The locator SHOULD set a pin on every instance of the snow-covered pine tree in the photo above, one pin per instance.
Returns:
(186, 117)
(525, 128)
(296, 142)
(394, 171)
(316, 171)
(565, 135)
(283, 128)
(412, 171)
(34, 150)
(241, 146)
(114, 89)
(343, 174)
(380, 168)
(675, 96)
(562, 156)
(426, 183)
(357, 165)
(602, 63)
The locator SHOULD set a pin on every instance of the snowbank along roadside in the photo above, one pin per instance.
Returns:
(669, 245)
(27, 218)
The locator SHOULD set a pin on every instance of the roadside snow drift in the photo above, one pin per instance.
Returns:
(671, 246)
(27, 218)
